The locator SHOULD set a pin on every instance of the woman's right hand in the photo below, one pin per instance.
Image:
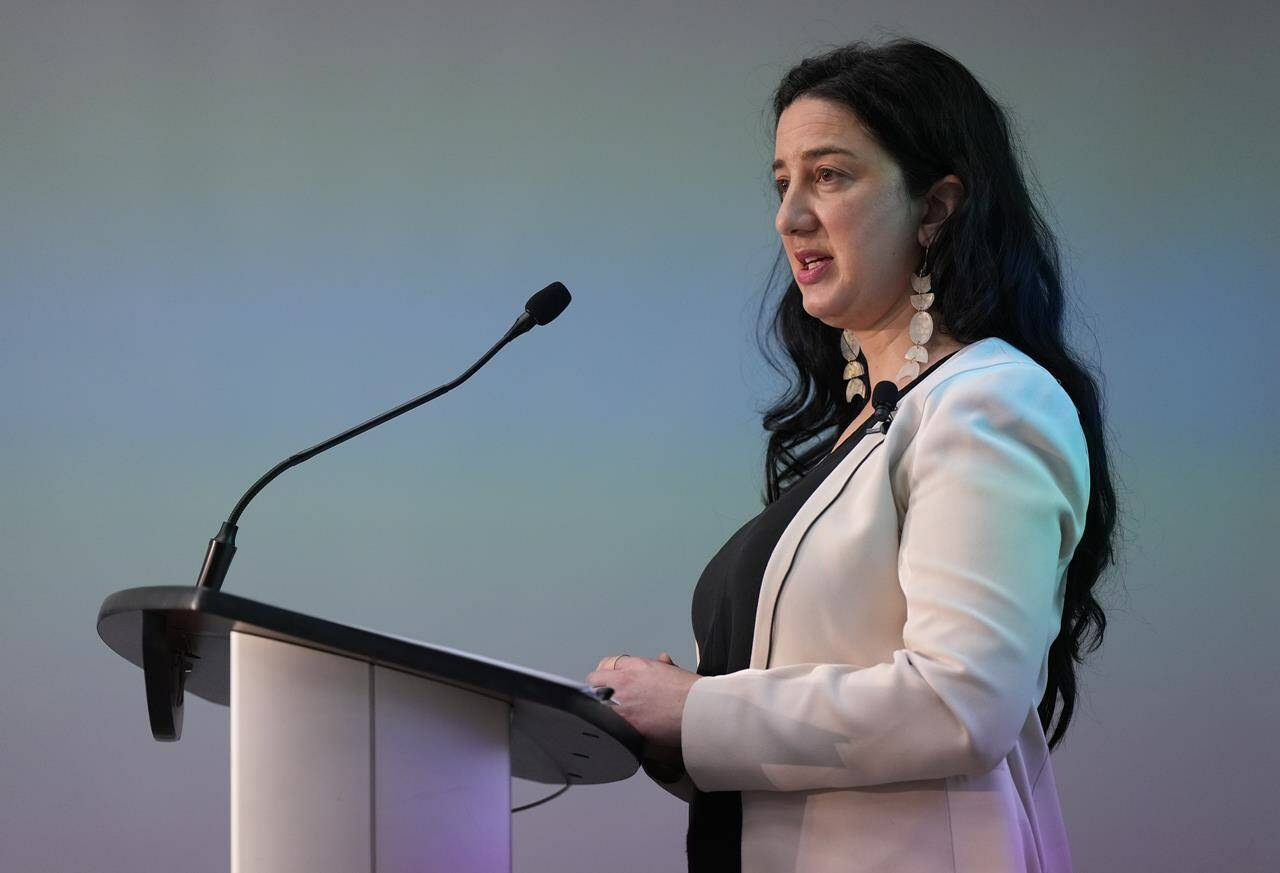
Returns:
(664, 763)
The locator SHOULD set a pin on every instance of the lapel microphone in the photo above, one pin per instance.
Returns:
(884, 397)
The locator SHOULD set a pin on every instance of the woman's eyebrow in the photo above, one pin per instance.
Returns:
(817, 153)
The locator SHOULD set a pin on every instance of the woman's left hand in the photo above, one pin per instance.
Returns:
(649, 693)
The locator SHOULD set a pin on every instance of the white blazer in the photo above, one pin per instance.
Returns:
(887, 721)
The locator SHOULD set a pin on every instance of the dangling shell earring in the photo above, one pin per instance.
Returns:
(849, 347)
(921, 326)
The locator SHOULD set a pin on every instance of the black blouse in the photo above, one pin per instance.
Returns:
(724, 615)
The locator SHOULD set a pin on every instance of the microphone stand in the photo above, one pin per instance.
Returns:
(541, 308)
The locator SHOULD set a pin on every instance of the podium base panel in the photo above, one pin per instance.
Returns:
(341, 766)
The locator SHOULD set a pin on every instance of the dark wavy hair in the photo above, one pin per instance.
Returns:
(996, 268)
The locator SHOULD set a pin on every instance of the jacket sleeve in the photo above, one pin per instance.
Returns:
(997, 482)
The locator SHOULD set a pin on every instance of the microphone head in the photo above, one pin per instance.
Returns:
(884, 394)
(548, 303)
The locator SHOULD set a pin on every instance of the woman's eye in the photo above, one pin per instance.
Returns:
(823, 174)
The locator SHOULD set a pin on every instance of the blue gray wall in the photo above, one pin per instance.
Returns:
(231, 229)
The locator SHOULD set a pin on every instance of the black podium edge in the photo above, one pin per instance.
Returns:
(200, 620)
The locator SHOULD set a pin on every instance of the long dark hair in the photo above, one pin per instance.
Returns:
(996, 267)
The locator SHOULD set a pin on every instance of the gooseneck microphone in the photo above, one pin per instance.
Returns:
(542, 308)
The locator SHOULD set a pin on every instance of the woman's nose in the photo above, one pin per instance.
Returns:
(794, 215)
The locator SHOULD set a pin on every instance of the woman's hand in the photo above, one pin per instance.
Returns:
(649, 693)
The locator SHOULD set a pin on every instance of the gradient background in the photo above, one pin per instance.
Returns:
(231, 229)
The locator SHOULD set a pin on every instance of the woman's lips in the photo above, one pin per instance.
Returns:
(809, 275)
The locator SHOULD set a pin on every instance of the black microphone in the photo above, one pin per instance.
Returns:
(542, 308)
(884, 398)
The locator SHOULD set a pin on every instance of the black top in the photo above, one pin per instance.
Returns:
(724, 616)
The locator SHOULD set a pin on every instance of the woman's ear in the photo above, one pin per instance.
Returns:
(943, 198)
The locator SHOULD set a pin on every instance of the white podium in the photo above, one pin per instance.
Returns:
(354, 751)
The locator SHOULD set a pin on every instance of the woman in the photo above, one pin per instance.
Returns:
(882, 649)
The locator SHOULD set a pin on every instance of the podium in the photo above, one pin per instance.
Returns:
(355, 751)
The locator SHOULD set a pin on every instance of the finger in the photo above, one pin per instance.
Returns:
(666, 659)
(603, 677)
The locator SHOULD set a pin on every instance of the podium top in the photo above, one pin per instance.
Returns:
(560, 732)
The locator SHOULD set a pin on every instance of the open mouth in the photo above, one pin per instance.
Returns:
(812, 270)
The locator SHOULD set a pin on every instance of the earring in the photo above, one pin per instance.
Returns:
(921, 326)
(849, 347)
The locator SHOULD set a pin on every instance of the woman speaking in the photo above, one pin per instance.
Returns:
(882, 650)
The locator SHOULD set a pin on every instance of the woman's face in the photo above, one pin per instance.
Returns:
(843, 201)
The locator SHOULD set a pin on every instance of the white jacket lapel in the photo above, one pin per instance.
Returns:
(779, 565)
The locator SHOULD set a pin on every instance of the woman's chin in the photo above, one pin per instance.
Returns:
(820, 303)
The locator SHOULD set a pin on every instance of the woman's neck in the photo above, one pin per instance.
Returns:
(886, 353)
